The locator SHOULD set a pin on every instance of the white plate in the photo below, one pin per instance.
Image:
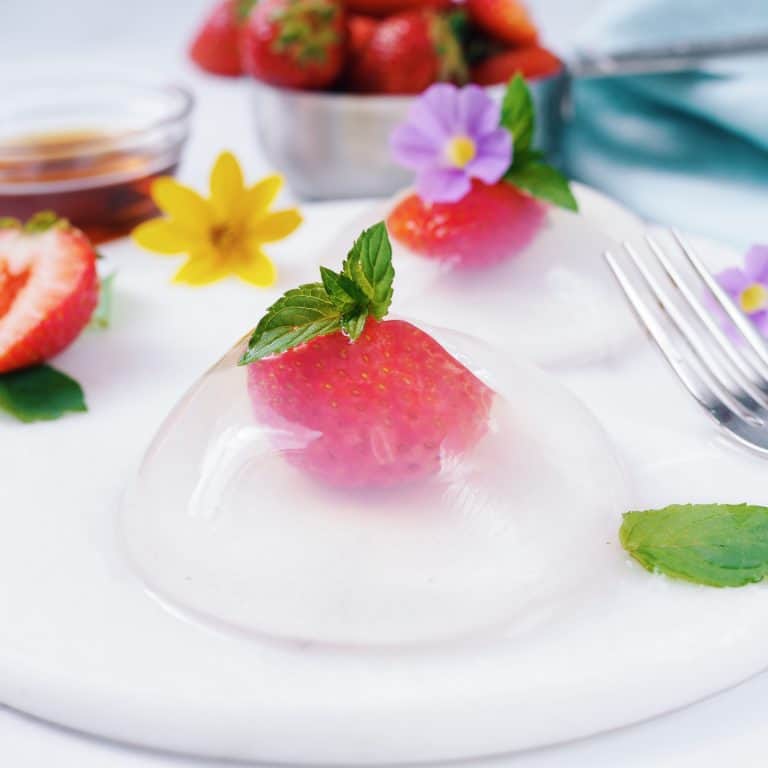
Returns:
(83, 644)
(553, 302)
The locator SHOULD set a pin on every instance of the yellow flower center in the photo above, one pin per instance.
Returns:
(753, 298)
(225, 237)
(460, 150)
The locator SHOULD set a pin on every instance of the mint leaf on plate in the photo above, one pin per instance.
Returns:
(369, 265)
(518, 114)
(720, 545)
(299, 315)
(543, 182)
(40, 393)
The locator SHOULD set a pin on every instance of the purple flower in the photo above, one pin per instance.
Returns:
(748, 288)
(452, 135)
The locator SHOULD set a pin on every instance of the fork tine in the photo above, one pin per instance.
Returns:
(747, 330)
(693, 380)
(742, 363)
(690, 335)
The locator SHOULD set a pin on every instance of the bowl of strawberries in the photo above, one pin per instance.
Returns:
(332, 78)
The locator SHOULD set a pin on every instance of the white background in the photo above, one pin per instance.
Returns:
(47, 37)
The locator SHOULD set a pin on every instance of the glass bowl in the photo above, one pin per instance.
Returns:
(89, 150)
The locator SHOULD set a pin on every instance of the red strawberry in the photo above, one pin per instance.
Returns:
(295, 43)
(406, 54)
(531, 62)
(360, 30)
(354, 400)
(378, 412)
(506, 20)
(488, 225)
(48, 290)
(384, 8)
(216, 45)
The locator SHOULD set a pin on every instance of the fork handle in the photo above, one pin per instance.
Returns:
(664, 59)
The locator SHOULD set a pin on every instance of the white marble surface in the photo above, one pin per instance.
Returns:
(146, 37)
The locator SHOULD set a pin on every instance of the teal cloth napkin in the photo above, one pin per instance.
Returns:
(686, 149)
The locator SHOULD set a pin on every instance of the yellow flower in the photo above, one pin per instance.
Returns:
(224, 234)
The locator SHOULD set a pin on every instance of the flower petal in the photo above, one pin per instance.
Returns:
(203, 267)
(260, 196)
(494, 156)
(756, 264)
(184, 205)
(164, 236)
(226, 184)
(412, 148)
(442, 185)
(478, 112)
(760, 320)
(435, 112)
(733, 280)
(274, 226)
(256, 268)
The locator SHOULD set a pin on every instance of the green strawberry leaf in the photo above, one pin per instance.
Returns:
(43, 221)
(299, 315)
(102, 315)
(720, 545)
(542, 181)
(242, 10)
(369, 265)
(344, 292)
(40, 393)
(518, 115)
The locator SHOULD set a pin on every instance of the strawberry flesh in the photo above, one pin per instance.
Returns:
(382, 411)
(490, 224)
(48, 292)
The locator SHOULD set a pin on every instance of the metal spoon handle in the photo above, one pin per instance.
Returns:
(664, 59)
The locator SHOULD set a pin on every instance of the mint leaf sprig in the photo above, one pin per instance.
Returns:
(342, 301)
(40, 393)
(718, 545)
(529, 170)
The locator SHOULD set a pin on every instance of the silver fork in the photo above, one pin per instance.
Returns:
(729, 380)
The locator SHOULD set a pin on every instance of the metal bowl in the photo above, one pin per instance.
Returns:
(333, 145)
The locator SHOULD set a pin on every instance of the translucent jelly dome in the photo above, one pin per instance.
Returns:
(540, 286)
(224, 523)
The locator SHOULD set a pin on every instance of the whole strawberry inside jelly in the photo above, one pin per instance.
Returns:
(384, 410)
(488, 225)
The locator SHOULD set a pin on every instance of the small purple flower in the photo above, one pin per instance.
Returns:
(748, 288)
(452, 135)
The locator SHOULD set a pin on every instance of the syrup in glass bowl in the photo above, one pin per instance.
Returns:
(89, 151)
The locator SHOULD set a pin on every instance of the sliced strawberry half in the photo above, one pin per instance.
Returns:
(48, 290)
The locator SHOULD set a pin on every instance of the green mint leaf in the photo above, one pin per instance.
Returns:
(542, 181)
(102, 315)
(369, 265)
(40, 393)
(299, 315)
(720, 545)
(517, 114)
(353, 325)
(344, 292)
